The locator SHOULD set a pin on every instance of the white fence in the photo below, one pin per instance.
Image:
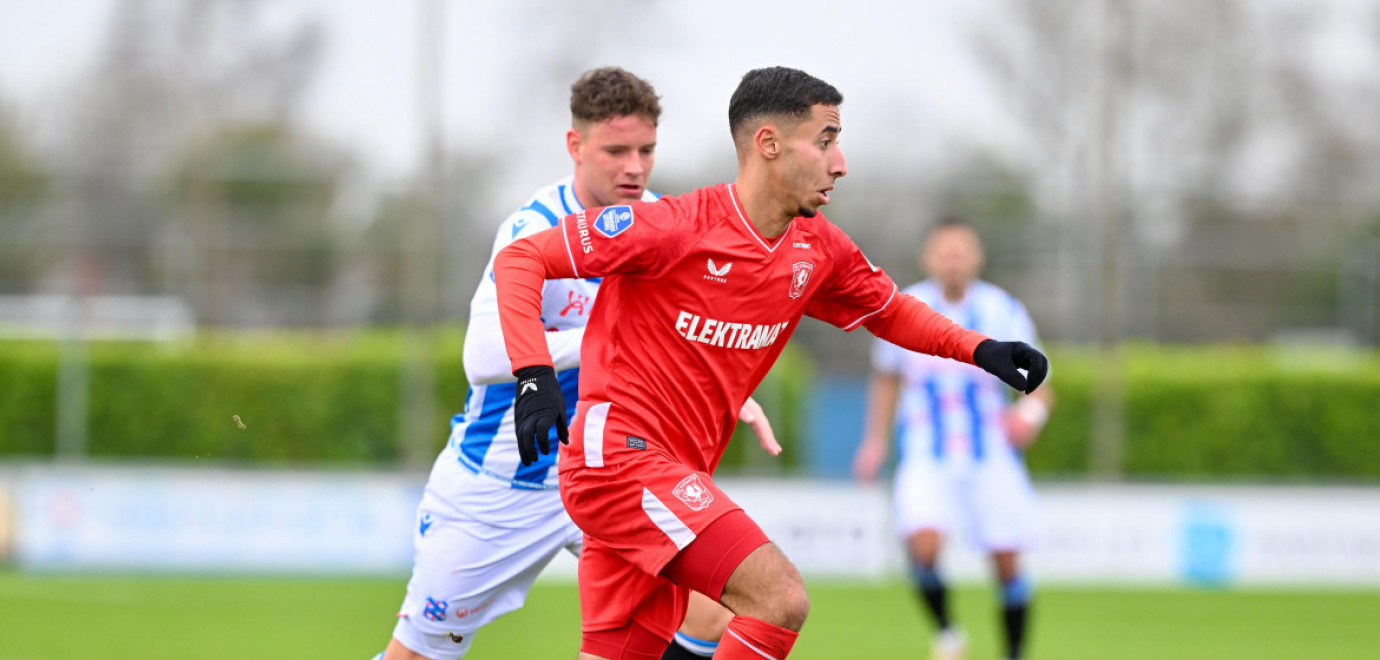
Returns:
(230, 521)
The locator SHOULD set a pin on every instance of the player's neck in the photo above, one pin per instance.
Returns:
(583, 196)
(767, 215)
(955, 293)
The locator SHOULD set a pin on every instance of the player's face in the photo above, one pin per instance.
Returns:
(613, 159)
(953, 256)
(813, 160)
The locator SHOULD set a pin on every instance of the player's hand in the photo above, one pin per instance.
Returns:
(539, 406)
(752, 414)
(1020, 432)
(868, 461)
(1003, 358)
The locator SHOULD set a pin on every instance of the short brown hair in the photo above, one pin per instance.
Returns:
(609, 93)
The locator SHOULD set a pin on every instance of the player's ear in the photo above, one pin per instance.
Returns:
(573, 141)
(767, 139)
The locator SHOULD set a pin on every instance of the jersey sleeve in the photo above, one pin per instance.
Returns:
(521, 224)
(855, 290)
(486, 361)
(640, 238)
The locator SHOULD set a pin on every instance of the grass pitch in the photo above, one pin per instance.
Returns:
(154, 618)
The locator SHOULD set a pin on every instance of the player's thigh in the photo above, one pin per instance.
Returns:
(615, 593)
(924, 498)
(1004, 506)
(467, 571)
(638, 516)
(767, 586)
(645, 511)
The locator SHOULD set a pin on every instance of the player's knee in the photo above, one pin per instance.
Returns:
(767, 586)
(794, 604)
(785, 603)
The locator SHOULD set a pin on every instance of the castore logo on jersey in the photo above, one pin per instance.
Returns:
(717, 274)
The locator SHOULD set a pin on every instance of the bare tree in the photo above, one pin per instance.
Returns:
(169, 74)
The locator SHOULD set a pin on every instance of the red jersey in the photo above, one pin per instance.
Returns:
(696, 307)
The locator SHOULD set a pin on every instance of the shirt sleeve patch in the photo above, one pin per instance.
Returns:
(614, 220)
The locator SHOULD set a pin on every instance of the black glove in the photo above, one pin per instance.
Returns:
(539, 406)
(1002, 358)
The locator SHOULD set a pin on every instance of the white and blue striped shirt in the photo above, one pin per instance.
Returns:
(483, 436)
(950, 410)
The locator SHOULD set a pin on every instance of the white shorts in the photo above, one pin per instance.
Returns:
(989, 501)
(479, 545)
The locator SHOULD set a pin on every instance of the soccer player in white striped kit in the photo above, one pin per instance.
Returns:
(960, 439)
(487, 524)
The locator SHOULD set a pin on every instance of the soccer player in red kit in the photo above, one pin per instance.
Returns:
(701, 293)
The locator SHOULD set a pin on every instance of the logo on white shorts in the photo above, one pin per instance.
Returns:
(693, 493)
(455, 638)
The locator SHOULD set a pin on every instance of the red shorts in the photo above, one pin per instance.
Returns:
(637, 516)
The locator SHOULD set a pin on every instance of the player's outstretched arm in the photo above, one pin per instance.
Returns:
(519, 272)
(912, 325)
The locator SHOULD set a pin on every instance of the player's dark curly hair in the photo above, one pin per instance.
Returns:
(776, 91)
(609, 93)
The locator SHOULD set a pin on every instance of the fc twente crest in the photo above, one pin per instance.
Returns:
(693, 493)
(800, 277)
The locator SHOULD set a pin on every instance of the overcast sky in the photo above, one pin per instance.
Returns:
(914, 88)
(509, 65)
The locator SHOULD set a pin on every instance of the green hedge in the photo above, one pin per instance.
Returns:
(304, 398)
(1190, 413)
(1223, 412)
(301, 397)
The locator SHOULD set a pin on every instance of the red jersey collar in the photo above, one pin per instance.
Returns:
(769, 246)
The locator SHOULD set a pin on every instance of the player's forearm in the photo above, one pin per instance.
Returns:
(912, 325)
(519, 272)
(882, 394)
(485, 364)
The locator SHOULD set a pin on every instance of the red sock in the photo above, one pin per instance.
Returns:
(747, 638)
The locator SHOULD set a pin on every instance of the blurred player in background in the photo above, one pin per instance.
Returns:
(701, 293)
(960, 439)
(489, 522)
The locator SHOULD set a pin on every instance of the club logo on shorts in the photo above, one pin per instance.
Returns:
(435, 609)
(800, 277)
(614, 220)
(693, 493)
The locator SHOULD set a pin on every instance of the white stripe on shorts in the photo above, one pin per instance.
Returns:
(666, 520)
(594, 434)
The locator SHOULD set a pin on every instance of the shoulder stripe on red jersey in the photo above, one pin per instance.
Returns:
(565, 238)
(869, 315)
(737, 206)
